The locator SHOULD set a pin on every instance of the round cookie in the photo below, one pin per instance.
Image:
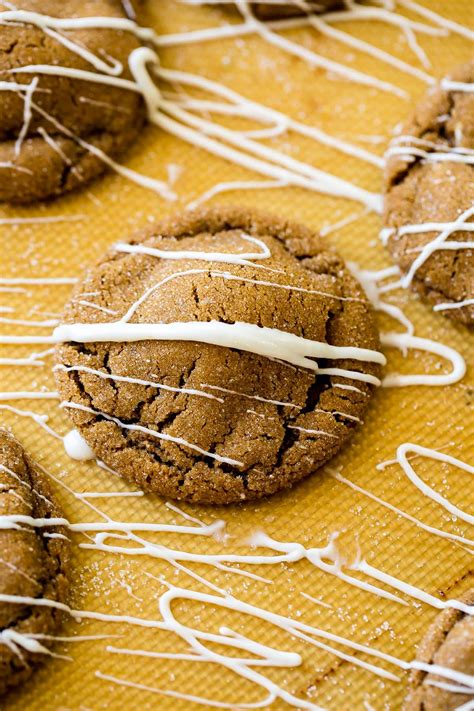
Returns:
(32, 564)
(50, 160)
(275, 11)
(280, 422)
(449, 642)
(421, 188)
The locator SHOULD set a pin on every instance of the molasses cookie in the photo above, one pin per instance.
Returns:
(449, 643)
(274, 11)
(190, 373)
(33, 563)
(47, 128)
(430, 179)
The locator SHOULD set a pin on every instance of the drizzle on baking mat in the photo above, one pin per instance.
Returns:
(317, 597)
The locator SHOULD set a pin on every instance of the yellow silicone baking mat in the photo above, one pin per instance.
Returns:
(437, 417)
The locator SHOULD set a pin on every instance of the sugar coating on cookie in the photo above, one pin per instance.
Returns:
(429, 181)
(34, 563)
(448, 643)
(217, 421)
(42, 156)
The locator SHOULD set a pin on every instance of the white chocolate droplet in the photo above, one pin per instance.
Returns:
(77, 448)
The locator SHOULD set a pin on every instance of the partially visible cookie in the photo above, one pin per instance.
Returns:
(50, 160)
(449, 643)
(277, 423)
(430, 179)
(32, 563)
(274, 11)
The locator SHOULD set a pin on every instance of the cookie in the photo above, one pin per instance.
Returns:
(238, 425)
(449, 642)
(32, 563)
(50, 158)
(275, 11)
(430, 179)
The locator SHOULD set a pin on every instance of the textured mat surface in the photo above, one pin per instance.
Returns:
(434, 417)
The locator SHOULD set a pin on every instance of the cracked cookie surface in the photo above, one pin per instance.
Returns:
(32, 564)
(419, 190)
(65, 110)
(449, 642)
(278, 442)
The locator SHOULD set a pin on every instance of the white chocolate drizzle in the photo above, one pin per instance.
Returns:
(430, 529)
(239, 393)
(403, 341)
(357, 12)
(268, 342)
(325, 29)
(443, 155)
(40, 220)
(40, 420)
(33, 360)
(453, 305)
(96, 307)
(137, 381)
(16, 642)
(329, 229)
(318, 557)
(27, 114)
(57, 148)
(226, 601)
(244, 259)
(454, 688)
(229, 186)
(32, 324)
(370, 281)
(197, 638)
(238, 105)
(157, 186)
(27, 395)
(322, 24)
(292, 171)
(450, 85)
(402, 459)
(270, 698)
(437, 19)
(305, 430)
(311, 57)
